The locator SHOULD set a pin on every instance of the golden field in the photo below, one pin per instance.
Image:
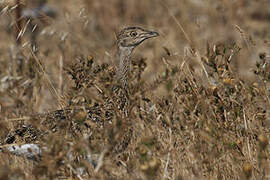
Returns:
(199, 93)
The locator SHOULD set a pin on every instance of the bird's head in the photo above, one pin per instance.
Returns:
(133, 36)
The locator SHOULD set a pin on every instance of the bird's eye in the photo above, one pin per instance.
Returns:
(133, 34)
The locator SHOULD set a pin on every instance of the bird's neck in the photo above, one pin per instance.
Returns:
(124, 54)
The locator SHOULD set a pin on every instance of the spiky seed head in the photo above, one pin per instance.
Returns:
(133, 36)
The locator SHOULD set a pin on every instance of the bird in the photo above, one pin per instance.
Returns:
(127, 40)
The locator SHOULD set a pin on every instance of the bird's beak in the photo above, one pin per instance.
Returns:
(151, 34)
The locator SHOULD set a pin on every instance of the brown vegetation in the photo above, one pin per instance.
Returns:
(199, 103)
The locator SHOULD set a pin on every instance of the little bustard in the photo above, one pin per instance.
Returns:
(127, 40)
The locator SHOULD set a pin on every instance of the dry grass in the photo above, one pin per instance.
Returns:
(199, 94)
